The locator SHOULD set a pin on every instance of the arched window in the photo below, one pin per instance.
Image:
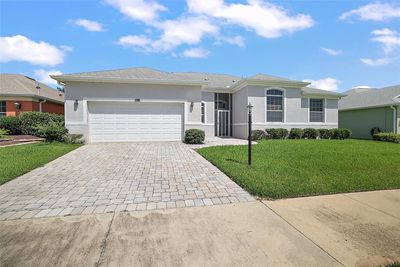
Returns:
(275, 106)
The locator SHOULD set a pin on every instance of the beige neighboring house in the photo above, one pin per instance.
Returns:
(19, 93)
(142, 104)
(365, 108)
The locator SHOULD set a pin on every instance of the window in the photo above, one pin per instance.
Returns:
(317, 113)
(274, 105)
(203, 112)
(2, 108)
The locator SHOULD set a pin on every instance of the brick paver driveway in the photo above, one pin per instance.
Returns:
(109, 177)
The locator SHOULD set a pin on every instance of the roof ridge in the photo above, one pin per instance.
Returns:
(113, 70)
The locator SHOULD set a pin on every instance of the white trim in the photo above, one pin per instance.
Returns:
(369, 107)
(272, 83)
(265, 104)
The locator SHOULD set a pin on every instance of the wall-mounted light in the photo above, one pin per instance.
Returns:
(17, 105)
(191, 106)
(76, 103)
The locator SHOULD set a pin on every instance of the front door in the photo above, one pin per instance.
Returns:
(223, 114)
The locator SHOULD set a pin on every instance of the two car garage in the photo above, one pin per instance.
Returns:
(111, 121)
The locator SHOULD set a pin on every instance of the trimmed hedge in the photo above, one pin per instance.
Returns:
(341, 133)
(325, 133)
(387, 137)
(296, 133)
(11, 124)
(52, 132)
(310, 133)
(257, 135)
(3, 133)
(194, 136)
(31, 120)
(276, 133)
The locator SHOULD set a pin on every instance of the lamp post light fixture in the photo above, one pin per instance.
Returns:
(249, 108)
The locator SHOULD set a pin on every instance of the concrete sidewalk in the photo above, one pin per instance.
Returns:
(357, 229)
(239, 234)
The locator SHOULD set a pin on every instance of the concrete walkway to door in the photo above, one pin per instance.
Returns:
(109, 177)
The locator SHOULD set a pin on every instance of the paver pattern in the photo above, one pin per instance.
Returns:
(112, 177)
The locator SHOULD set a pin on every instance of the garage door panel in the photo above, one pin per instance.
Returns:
(122, 121)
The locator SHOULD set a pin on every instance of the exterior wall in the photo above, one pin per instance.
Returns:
(30, 104)
(76, 115)
(398, 119)
(296, 111)
(208, 126)
(361, 121)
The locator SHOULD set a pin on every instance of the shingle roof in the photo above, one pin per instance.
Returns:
(315, 91)
(19, 85)
(372, 97)
(209, 80)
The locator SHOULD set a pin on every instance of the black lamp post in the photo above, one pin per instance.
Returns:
(249, 108)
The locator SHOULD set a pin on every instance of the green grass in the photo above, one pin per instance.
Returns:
(292, 168)
(17, 160)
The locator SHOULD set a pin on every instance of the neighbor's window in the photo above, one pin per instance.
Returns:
(274, 105)
(317, 110)
(2, 108)
(203, 112)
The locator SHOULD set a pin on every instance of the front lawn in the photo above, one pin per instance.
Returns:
(292, 168)
(17, 160)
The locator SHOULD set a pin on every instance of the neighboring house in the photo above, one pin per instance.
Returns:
(365, 108)
(20, 93)
(147, 104)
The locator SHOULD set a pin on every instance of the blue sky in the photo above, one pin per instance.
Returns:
(336, 45)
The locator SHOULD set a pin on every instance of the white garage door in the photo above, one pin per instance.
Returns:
(135, 121)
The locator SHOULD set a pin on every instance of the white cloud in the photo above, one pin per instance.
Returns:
(145, 11)
(374, 12)
(331, 51)
(376, 62)
(266, 19)
(362, 87)
(196, 53)
(182, 31)
(67, 48)
(43, 76)
(20, 48)
(389, 39)
(235, 40)
(329, 84)
(89, 25)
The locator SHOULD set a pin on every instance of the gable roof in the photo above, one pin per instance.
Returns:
(19, 85)
(372, 97)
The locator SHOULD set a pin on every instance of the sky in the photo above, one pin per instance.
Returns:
(334, 45)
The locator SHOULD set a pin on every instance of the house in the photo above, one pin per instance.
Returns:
(147, 104)
(20, 93)
(365, 108)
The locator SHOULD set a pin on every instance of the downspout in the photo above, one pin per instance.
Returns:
(394, 119)
(40, 104)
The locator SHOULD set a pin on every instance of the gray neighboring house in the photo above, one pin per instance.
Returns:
(142, 104)
(365, 108)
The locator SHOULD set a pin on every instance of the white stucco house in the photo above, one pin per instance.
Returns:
(141, 104)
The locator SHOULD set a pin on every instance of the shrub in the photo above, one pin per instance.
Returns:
(310, 133)
(325, 133)
(373, 131)
(194, 136)
(3, 133)
(276, 133)
(73, 138)
(31, 120)
(387, 137)
(11, 123)
(52, 131)
(295, 133)
(257, 135)
(341, 133)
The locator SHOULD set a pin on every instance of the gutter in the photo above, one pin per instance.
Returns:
(394, 119)
(40, 104)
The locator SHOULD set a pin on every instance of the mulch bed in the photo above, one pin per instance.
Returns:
(19, 139)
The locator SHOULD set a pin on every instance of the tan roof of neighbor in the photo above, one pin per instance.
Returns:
(370, 97)
(20, 85)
